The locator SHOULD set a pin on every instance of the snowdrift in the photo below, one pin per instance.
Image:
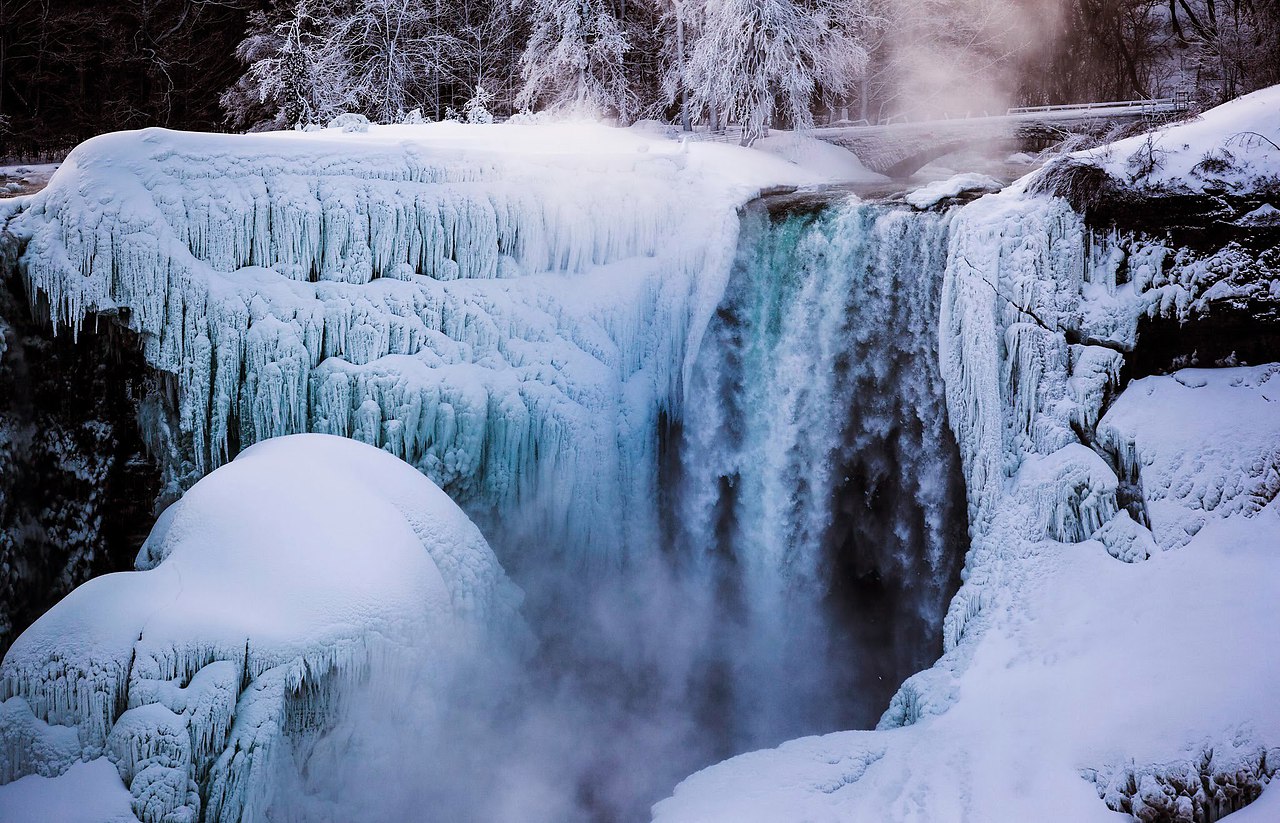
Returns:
(278, 586)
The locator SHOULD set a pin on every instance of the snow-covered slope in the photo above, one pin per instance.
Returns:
(1234, 148)
(507, 308)
(279, 585)
(1112, 646)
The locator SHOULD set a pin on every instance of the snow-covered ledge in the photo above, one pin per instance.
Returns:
(1113, 646)
(507, 308)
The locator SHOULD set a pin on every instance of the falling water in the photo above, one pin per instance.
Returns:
(817, 476)
(814, 525)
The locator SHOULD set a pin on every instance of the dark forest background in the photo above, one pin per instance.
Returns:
(70, 69)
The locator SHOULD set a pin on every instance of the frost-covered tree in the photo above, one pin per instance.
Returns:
(477, 108)
(758, 59)
(1233, 45)
(380, 58)
(398, 54)
(293, 78)
(574, 58)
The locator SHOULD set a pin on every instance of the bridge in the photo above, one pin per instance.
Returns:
(899, 149)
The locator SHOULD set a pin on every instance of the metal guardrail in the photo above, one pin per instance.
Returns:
(1161, 105)
(728, 134)
(1156, 106)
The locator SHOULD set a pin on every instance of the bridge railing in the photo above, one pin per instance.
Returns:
(1153, 106)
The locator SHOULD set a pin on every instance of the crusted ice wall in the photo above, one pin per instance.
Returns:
(1039, 311)
(291, 578)
(1036, 314)
(501, 317)
(819, 481)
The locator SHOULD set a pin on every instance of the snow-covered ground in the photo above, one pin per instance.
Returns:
(1234, 148)
(281, 583)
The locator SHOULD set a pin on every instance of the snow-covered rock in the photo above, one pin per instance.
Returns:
(509, 309)
(930, 195)
(274, 588)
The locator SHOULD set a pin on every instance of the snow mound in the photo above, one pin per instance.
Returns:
(1264, 215)
(276, 584)
(1203, 444)
(926, 197)
(508, 308)
(1080, 697)
(85, 793)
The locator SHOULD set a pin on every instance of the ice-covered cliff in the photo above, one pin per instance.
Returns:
(309, 573)
(507, 309)
(1110, 649)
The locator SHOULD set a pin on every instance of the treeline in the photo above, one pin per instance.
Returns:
(73, 68)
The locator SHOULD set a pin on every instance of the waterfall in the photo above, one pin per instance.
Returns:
(818, 481)
(775, 527)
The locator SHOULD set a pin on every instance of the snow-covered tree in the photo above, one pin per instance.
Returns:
(397, 53)
(292, 77)
(477, 108)
(757, 59)
(574, 58)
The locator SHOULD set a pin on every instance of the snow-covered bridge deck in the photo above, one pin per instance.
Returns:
(900, 148)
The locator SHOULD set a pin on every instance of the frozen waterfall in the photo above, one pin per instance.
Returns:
(726, 483)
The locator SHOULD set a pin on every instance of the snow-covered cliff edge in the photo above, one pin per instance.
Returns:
(509, 309)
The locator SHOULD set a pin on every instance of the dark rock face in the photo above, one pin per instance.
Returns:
(77, 488)
(1236, 321)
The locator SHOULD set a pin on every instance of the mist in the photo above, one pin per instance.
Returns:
(956, 58)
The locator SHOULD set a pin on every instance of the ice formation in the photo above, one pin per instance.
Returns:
(279, 584)
(1069, 687)
(507, 309)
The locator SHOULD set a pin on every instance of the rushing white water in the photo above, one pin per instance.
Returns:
(817, 469)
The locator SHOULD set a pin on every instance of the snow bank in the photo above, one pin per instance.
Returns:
(270, 590)
(85, 793)
(1095, 685)
(507, 308)
(1234, 147)
(1185, 479)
